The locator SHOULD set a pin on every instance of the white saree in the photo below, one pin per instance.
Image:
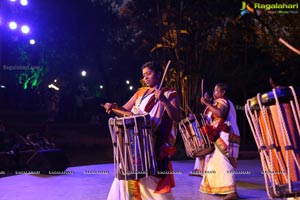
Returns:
(219, 173)
(145, 188)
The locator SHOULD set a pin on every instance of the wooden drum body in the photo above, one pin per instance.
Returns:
(274, 119)
(134, 156)
(196, 143)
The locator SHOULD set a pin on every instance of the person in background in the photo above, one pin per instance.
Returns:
(219, 176)
(162, 104)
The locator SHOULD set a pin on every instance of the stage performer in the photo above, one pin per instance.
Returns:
(220, 165)
(162, 104)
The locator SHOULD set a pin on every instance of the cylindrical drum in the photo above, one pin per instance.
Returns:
(274, 119)
(134, 156)
(196, 143)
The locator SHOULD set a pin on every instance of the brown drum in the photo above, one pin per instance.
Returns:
(134, 156)
(274, 119)
(196, 143)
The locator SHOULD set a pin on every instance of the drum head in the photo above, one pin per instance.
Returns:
(131, 121)
(284, 94)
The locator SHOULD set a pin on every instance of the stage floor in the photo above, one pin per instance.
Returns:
(92, 182)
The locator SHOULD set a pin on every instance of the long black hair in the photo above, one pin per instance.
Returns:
(153, 65)
(224, 87)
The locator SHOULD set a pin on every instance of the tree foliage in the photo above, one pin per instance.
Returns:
(210, 40)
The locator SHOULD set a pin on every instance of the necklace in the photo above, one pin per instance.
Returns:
(135, 108)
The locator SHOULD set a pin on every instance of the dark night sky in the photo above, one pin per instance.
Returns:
(72, 35)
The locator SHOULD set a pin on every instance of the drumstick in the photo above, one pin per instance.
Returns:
(202, 88)
(289, 46)
(166, 69)
(202, 83)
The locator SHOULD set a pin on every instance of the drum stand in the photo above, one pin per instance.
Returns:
(276, 131)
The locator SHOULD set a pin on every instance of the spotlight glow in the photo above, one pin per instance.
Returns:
(101, 86)
(131, 87)
(12, 25)
(24, 2)
(32, 41)
(83, 73)
(127, 82)
(25, 29)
